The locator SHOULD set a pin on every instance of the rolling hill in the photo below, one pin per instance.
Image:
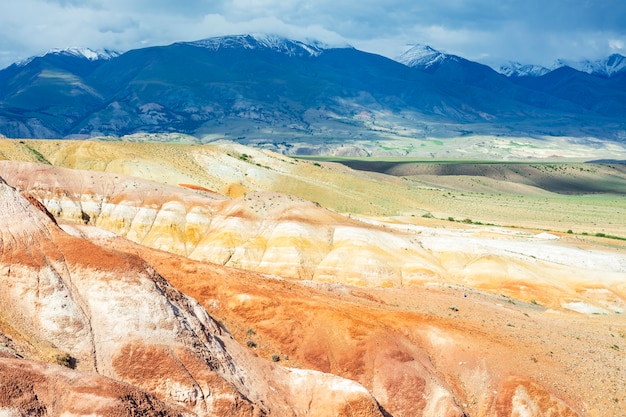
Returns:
(188, 279)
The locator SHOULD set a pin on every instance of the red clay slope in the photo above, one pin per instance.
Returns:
(114, 316)
(489, 356)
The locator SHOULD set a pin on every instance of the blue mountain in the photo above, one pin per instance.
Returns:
(265, 87)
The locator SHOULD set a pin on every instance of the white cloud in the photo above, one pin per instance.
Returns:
(534, 31)
(617, 45)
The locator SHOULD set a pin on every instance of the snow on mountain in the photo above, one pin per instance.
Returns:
(422, 56)
(516, 69)
(253, 41)
(606, 67)
(90, 54)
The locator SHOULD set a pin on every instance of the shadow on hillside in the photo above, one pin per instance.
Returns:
(561, 178)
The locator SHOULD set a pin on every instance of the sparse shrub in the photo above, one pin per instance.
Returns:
(468, 221)
(40, 158)
(64, 359)
(427, 215)
(600, 234)
(250, 344)
(454, 308)
(275, 358)
(451, 219)
(251, 332)
(569, 231)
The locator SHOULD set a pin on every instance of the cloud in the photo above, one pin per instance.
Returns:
(617, 45)
(534, 31)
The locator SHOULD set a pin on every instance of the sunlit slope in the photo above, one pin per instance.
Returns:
(429, 314)
(126, 329)
(233, 170)
(291, 237)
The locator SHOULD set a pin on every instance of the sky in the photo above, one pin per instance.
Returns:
(488, 31)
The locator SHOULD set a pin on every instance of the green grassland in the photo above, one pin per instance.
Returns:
(583, 198)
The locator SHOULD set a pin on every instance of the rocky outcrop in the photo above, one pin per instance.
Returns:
(33, 388)
(114, 316)
(431, 343)
(286, 236)
(413, 351)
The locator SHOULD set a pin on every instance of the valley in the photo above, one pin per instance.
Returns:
(265, 284)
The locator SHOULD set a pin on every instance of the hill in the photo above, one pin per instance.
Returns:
(215, 263)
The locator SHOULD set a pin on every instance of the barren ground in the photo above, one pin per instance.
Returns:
(522, 239)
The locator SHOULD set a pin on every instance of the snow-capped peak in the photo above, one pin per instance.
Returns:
(515, 69)
(259, 40)
(419, 55)
(90, 54)
(606, 67)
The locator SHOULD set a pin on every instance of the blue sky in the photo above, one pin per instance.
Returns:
(492, 32)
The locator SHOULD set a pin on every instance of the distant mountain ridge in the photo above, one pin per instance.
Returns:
(608, 67)
(269, 41)
(516, 69)
(423, 57)
(77, 52)
(267, 90)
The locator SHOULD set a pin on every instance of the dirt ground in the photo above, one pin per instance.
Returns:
(476, 341)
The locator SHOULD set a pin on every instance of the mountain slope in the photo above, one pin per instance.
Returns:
(48, 94)
(443, 348)
(261, 41)
(600, 95)
(611, 66)
(465, 72)
(269, 90)
(113, 315)
(516, 69)
(189, 88)
(32, 388)
(568, 88)
(422, 56)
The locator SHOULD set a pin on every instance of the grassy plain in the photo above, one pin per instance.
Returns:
(556, 196)
(586, 198)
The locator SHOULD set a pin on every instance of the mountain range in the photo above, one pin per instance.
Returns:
(424, 56)
(273, 92)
